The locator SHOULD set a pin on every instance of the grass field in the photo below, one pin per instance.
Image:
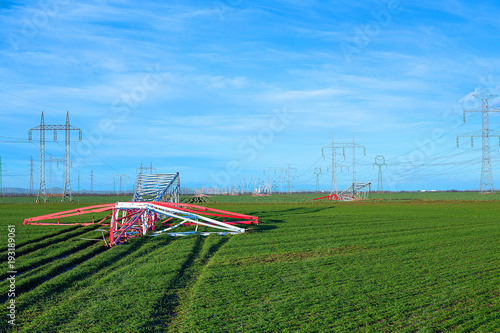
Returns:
(403, 264)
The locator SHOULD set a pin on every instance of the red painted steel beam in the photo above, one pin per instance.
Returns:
(68, 213)
(208, 211)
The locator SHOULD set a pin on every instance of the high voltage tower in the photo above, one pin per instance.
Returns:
(317, 173)
(52, 160)
(269, 185)
(1, 175)
(380, 162)
(487, 185)
(32, 190)
(67, 128)
(142, 169)
(291, 177)
(121, 178)
(287, 171)
(334, 146)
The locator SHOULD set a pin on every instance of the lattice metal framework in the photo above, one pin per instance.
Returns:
(157, 187)
(357, 191)
(333, 147)
(52, 160)
(317, 173)
(133, 219)
(32, 191)
(67, 128)
(487, 185)
(380, 162)
(1, 176)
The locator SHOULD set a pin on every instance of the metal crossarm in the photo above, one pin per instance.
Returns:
(157, 187)
(134, 219)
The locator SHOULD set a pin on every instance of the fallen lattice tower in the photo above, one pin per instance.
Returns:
(157, 187)
(133, 219)
(357, 191)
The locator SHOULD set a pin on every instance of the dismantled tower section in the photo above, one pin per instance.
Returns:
(155, 205)
(165, 187)
(133, 219)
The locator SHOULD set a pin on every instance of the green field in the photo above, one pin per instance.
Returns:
(398, 263)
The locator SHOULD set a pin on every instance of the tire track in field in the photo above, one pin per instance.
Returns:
(31, 282)
(48, 241)
(166, 309)
(79, 273)
(43, 261)
(80, 281)
(20, 246)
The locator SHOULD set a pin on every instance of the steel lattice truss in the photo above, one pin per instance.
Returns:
(133, 219)
(357, 191)
(157, 187)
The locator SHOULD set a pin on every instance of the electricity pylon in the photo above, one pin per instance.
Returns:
(269, 185)
(119, 184)
(380, 162)
(317, 172)
(290, 177)
(32, 191)
(42, 193)
(67, 128)
(487, 185)
(52, 160)
(141, 169)
(1, 175)
(334, 146)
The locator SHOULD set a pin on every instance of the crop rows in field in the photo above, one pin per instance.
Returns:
(366, 266)
(68, 283)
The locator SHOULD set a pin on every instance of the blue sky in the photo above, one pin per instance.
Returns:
(221, 90)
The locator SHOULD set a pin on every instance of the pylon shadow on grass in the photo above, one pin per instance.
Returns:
(165, 309)
(64, 284)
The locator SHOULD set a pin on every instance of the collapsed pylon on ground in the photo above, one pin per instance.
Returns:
(357, 191)
(163, 187)
(133, 219)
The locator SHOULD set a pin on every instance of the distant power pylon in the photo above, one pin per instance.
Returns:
(32, 190)
(380, 162)
(334, 146)
(487, 185)
(91, 181)
(150, 169)
(317, 173)
(42, 192)
(291, 177)
(119, 186)
(67, 128)
(269, 185)
(52, 160)
(1, 175)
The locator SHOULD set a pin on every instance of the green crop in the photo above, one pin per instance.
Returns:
(407, 262)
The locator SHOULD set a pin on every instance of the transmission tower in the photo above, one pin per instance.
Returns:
(290, 177)
(52, 160)
(1, 175)
(91, 181)
(67, 128)
(119, 184)
(32, 191)
(380, 162)
(487, 185)
(269, 184)
(42, 193)
(67, 138)
(334, 146)
(150, 169)
(317, 173)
